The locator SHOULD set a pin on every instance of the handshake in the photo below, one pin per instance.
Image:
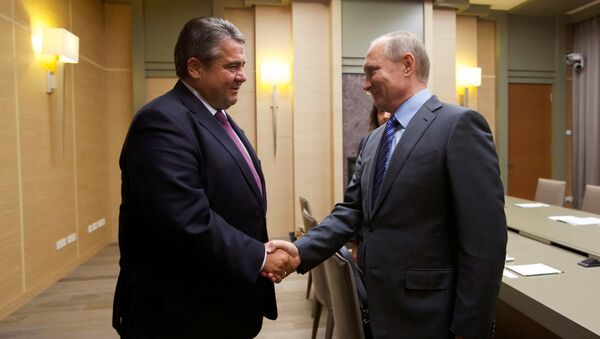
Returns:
(282, 259)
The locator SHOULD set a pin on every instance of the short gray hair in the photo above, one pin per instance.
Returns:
(399, 43)
(200, 38)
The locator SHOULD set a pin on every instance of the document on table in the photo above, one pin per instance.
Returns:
(509, 274)
(533, 269)
(531, 204)
(578, 221)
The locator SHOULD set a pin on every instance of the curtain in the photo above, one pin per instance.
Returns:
(586, 108)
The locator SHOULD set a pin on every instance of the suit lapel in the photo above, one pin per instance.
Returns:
(206, 119)
(369, 156)
(413, 133)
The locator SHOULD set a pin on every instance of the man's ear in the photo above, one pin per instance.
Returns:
(195, 68)
(408, 61)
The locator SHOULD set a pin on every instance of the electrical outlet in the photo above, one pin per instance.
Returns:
(101, 222)
(71, 238)
(90, 228)
(61, 243)
(95, 226)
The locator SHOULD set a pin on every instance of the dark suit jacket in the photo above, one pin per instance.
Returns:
(435, 240)
(191, 228)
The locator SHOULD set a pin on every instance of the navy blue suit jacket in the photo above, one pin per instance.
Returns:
(191, 228)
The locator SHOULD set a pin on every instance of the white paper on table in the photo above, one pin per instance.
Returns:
(578, 221)
(509, 274)
(531, 204)
(533, 269)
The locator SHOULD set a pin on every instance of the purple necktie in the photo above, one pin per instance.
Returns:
(238, 143)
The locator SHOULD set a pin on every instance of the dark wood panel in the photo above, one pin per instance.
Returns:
(529, 137)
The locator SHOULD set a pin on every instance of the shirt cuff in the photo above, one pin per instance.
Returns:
(264, 260)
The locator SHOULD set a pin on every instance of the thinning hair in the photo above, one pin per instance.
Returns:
(397, 44)
(201, 38)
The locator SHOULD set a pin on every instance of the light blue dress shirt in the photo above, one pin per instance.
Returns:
(406, 112)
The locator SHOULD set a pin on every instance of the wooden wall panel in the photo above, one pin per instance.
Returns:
(338, 184)
(273, 42)
(443, 55)
(6, 9)
(11, 274)
(88, 24)
(312, 100)
(119, 98)
(119, 113)
(91, 153)
(42, 13)
(486, 58)
(47, 168)
(56, 170)
(466, 52)
(117, 26)
(244, 112)
(156, 87)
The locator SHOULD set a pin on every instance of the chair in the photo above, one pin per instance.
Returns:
(305, 206)
(346, 306)
(550, 191)
(321, 288)
(591, 199)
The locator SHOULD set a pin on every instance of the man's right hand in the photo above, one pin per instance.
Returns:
(282, 259)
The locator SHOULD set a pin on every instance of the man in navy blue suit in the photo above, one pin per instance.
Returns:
(192, 222)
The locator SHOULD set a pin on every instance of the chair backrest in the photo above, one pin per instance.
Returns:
(591, 199)
(344, 299)
(319, 276)
(550, 191)
(304, 205)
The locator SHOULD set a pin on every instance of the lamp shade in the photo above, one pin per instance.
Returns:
(62, 43)
(274, 73)
(469, 76)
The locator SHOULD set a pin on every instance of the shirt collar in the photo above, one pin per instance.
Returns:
(409, 108)
(211, 109)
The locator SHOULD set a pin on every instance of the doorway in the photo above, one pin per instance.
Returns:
(529, 137)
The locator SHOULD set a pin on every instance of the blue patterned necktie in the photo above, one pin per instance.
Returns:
(384, 156)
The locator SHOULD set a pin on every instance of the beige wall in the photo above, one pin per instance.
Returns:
(466, 52)
(59, 171)
(476, 47)
(443, 55)
(312, 107)
(486, 56)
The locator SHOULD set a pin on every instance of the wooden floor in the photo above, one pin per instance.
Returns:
(80, 306)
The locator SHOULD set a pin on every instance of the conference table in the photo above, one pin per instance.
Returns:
(567, 303)
(534, 222)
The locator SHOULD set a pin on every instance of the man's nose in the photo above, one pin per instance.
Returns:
(366, 85)
(241, 76)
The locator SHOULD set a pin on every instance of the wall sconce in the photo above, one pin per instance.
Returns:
(274, 73)
(63, 46)
(467, 77)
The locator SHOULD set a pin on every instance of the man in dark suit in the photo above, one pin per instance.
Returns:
(192, 223)
(427, 195)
